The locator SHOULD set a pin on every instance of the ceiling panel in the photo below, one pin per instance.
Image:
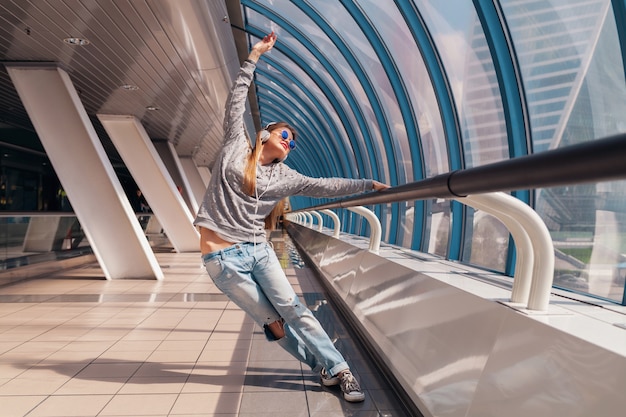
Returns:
(167, 48)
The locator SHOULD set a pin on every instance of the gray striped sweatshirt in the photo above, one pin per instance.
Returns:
(226, 208)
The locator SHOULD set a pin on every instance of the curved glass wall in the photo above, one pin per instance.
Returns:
(362, 76)
(575, 88)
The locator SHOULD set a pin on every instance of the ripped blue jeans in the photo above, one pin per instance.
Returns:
(254, 280)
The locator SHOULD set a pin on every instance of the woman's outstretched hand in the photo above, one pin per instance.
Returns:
(262, 46)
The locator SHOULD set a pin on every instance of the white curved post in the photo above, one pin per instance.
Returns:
(309, 219)
(506, 208)
(293, 217)
(522, 277)
(336, 221)
(374, 226)
(320, 221)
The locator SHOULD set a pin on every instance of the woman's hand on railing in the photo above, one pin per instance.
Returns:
(379, 186)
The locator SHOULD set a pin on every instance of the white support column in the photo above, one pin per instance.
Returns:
(169, 158)
(197, 188)
(152, 177)
(185, 186)
(205, 173)
(85, 172)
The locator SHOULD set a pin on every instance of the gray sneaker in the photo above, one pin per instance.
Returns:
(327, 380)
(351, 388)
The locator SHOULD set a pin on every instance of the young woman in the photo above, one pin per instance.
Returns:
(245, 186)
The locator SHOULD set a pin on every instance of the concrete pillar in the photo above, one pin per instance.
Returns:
(85, 171)
(205, 173)
(170, 159)
(196, 185)
(152, 177)
(185, 185)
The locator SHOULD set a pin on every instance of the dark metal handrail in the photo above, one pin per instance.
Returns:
(594, 161)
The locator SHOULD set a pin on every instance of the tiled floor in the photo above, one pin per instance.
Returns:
(73, 344)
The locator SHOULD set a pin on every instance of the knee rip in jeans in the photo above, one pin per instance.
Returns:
(274, 330)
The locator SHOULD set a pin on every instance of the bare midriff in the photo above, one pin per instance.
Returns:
(211, 242)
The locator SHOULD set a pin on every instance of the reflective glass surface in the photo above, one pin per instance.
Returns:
(361, 76)
(432, 158)
(575, 87)
(460, 40)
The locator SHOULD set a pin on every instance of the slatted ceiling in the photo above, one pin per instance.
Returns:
(132, 42)
(169, 56)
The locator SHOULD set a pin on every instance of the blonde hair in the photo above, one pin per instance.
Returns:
(271, 221)
(249, 171)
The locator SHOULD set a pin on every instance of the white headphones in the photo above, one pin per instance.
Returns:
(265, 136)
(265, 133)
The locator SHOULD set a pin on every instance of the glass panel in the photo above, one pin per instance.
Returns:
(588, 227)
(27, 180)
(355, 37)
(461, 42)
(407, 225)
(576, 92)
(439, 231)
(574, 80)
(462, 45)
(25, 240)
(35, 238)
(347, 28)
(415, 77)
(489, 241)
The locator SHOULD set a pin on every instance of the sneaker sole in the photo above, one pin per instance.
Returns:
(330, 382)
(354, 398)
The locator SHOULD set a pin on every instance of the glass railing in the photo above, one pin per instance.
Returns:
(33, 237)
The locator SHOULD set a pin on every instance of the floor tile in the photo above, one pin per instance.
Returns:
(139, 405)
(207, 403)
(274, 402)
(109, 370)
(70, 405)
(83, 386)
(18, 406)
(32, 386)
(153, 385)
